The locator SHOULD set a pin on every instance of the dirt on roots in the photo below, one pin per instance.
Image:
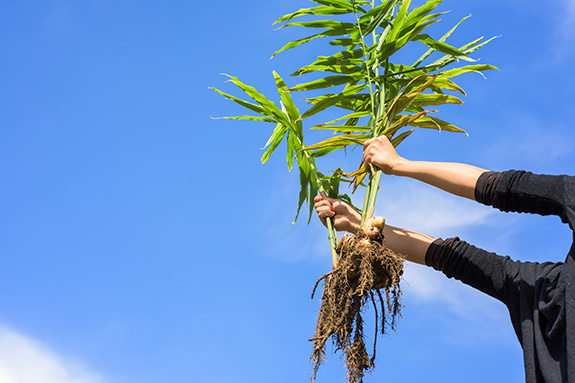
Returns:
(366, 271)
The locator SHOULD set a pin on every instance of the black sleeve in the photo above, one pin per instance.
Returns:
(485, 188)
(517, 284)
(485, 271)
(525, 192)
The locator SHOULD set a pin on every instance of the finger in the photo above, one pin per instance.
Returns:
(325, 214)
(322, 204)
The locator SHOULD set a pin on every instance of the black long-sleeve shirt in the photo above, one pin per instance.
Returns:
(540, 297)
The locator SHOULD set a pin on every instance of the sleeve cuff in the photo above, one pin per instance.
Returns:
(485, 187)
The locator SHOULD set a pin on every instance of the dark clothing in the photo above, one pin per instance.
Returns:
(540, 297)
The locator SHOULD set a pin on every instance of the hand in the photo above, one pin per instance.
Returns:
(381, 153)
(345, 217)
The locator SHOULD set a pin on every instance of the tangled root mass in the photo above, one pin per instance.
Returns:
(366, 271)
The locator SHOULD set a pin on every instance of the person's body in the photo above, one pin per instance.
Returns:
(540, 296)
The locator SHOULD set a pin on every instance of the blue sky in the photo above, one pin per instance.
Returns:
(143, 241)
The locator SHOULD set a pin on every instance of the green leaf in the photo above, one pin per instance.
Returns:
(324, 102)
(402, 102)
(350, 116)
(327, 24)
(442, 39)
(476, 47)
(467, 69)
(315, 11)
(377, 15)
(245, 104)
(251, 118)
(341, 58)
(439, 83)
(343, 4)
(442, 47)
(443, 83)
(428, 122)
(384, 51)
(435, 99)
(333, 186)
(323, 152)
(399, 139)
(326, 82)
(415, 16)
(340, 141)
(291, 149)
(339, 31)
(403, 121)
(344, 42)
(270, 108)
(467, 49)
(397, 22)
(274, 141)
(342, 128)
(341, 69)
(285, 95)
(302, 193)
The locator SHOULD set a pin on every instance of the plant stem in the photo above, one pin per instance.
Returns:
(329, 222)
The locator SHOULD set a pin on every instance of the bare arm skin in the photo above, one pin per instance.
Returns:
(458, 179)
(411, 244)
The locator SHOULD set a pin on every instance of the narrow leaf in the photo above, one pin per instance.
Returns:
(399, 139)
(339, 31)
(428, 122)
(328, 100)
(467, 69)
(274, 141)
(415, 16)
(250, 118)
(326, 82)
(292, 143)
(342, 128)
(302, 193)
(341, 69)
(245, 104)
(442, 39)
(436, 99)
(343, 4)
(327, 24)
(442, 47)
(316, 11)
(286, 97)
(270, 108)
(340, 141)
(323, 152)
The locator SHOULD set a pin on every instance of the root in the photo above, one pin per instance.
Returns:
(318, 281)
(364, 265)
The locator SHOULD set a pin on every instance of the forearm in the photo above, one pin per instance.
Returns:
(458, 179)
(408, 243)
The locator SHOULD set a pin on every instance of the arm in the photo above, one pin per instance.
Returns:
(408, 243)
(458, 179)
(525, 192)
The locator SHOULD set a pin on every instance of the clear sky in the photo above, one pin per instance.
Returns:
(142, 241)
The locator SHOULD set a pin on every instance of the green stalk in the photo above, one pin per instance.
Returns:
(366, 201)
(375, 174)
(329, 222)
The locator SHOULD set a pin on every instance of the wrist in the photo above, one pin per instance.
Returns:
(355, 223)
(399, 167)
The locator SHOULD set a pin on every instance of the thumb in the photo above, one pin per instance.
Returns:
(326, 198)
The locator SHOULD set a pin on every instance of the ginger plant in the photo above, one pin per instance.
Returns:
(374, 93)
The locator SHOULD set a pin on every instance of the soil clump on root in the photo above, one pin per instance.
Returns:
(366, 271)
